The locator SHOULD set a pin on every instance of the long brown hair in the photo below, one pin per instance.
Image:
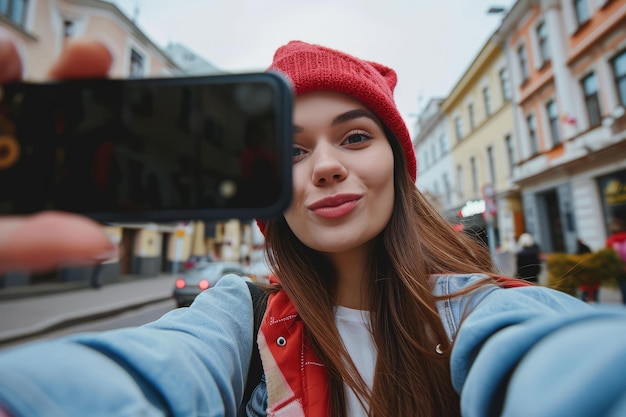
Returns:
(410, 376)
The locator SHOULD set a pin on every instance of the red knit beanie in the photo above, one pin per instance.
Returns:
(317, 68)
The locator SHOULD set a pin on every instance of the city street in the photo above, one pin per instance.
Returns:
(130, 303)
(27, 317)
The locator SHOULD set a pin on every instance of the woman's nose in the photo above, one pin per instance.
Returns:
(328, 166)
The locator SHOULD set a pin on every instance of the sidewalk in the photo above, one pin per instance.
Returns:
(28, 316)
(505, 262)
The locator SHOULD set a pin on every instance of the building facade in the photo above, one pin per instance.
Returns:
(481, 128)
(568, 71)
(432, 148)
(41, 29)
(189, 61)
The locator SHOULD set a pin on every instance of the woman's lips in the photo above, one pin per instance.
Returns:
(335, 207)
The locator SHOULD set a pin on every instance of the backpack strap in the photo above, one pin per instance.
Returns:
(259, 305)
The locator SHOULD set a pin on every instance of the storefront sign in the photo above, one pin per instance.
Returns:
(472, 208)
(613, 189)
(615, 192)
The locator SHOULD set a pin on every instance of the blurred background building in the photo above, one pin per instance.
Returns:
(535, 128)
(531, 138)
(42, 28)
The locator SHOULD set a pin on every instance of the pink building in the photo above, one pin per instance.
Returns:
(567, 60)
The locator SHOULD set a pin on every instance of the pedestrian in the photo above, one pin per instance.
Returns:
(377, 306)
(617, 242)
(588, 292)
(528, 258)
(581, 247)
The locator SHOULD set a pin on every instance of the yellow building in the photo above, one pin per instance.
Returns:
(482, 138)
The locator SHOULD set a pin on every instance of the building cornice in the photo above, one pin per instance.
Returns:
(602, 157)
(511, 20)
(134, 29)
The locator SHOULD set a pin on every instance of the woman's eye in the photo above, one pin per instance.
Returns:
(356, 137)
(297, 153)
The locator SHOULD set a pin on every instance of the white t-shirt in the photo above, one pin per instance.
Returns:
(353, 326)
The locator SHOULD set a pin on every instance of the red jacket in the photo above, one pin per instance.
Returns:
(297, 384)
(614, 238)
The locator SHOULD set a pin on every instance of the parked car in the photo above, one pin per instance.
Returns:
(202, 276)
(195, 259)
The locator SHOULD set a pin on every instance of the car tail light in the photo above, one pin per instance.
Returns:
(180, 283)
(203, 284)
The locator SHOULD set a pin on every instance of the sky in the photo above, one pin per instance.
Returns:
(429, 43)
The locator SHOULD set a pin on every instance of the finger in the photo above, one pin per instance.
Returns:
(10, 62)
(82, 59)
(51, 240)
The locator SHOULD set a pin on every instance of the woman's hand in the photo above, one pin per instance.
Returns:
(53, 239)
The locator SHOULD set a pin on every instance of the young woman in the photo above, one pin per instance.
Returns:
(356, 250)
(378, 308)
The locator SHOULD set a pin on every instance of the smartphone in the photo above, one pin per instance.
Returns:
(156, 149)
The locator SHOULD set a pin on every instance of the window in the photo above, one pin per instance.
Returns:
(510, 153)
(492, 164)
(553, 118)
(474, 176)
(592, 101)
(542, 38)
(459, 179)
(442, 144)
(446, 188)
(619, 70)
(487, 98)
(458, 128)
(68, 28)
(504, 84)
(532, 134)
(136, 64)
(472, 120)
(14, 10)
(523, 63)
(582, 11)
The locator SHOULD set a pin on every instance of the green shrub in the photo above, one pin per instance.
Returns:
(559, 266)
(566, 272)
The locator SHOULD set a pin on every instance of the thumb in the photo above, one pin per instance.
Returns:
(51, 240)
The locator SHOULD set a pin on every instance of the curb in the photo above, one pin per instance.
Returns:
(60, 322)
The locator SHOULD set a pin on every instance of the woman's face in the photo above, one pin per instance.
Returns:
(342, 173)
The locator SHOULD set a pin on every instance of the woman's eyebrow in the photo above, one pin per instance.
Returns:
(345, 117)
(353, 114)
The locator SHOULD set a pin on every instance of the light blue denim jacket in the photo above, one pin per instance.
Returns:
(524, 351)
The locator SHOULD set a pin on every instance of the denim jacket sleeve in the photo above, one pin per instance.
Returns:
(191, 362)
(532, 351)
(452, 310)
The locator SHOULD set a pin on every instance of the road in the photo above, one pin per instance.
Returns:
(135, 317)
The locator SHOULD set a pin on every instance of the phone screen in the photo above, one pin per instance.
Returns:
(148, 149)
